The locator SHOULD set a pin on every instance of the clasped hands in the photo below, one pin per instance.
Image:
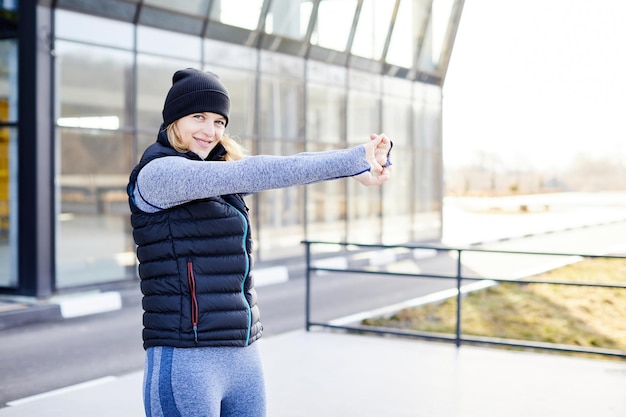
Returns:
(376, 151)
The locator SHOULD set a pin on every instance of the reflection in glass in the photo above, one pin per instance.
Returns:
(230, 54)
(154, 79)
(282, 95)
(8, 152)
(435, 36)
(288, 18)
(325, 117)
(9, 5)
(93, 203)
(279, 214)
(281, 119)
(334, 21)
(404, 36)
(281, 64)
(91, 29)
(325, 74)
(8, 80)
(80, 95)
(396, 202)
(372, 28)
(364, 208)
(440, 20)
(192, 7)
(427, 162)
(241, 13)
(8, 204)
(326, 201)
(93, 167)
(161, 42)
(281, 115)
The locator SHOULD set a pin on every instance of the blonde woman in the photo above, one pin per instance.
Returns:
(192, 230)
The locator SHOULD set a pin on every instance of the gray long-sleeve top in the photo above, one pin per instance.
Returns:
(170, 181)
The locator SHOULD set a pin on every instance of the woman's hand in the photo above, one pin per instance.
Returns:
(376, 152)
(382, 150)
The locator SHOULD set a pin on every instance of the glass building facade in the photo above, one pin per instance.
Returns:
(82, 84)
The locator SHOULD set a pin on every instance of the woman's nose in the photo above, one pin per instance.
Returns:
(208, 129)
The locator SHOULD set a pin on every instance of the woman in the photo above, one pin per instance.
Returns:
(192, 231)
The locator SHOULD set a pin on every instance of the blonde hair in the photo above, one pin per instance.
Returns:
(234, 150)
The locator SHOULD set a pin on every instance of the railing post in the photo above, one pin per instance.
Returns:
(458, 298)
(307, 292)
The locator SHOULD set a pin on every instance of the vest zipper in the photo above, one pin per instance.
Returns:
(191, 279)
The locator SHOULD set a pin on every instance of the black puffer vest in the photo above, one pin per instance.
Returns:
(194, 264)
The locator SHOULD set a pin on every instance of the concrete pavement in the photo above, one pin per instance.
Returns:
(322, 373)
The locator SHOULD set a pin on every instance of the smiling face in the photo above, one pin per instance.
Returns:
(200, 132)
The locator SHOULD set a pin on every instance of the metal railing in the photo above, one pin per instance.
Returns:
(458, 338)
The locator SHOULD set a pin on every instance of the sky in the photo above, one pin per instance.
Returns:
(533, 84)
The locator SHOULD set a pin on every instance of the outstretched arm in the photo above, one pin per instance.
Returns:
(170, 181)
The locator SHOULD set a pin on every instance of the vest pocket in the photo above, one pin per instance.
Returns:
(191, 280)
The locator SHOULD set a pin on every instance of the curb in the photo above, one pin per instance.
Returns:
(17, 314)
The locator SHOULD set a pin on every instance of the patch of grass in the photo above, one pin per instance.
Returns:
(569, 315)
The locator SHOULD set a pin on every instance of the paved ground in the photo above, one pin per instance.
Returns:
(329, 374)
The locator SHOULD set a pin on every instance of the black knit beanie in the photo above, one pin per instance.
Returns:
(195, 91)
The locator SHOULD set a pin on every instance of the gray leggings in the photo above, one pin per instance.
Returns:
(204, 382)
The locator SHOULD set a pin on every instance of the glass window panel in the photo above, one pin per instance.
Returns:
(91, 29)
(326, 74)
(281, 64)
(240, 13)
(281, 115)
(396, 200)
(427, 162)
(425, 62)
(334, 21)
(288, 18)
(326, 201)
(400, 87)
(435, 36)
(372, 28)
(364, 207)
(326, 111)
(280, 212)
(282, 95)
(440, 22)
(230, 55)
(8, 157)
(8, 206)
(364, 81)
(9, 4)
(154, 79)
(83, 99)
(326, 206)
(8, 80)
(93, 202)
(404, 36)
(162, 42)
(192, 7)
(363, 116)
(93, 166)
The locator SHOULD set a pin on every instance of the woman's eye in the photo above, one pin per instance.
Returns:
(220, 122)
(198, 117)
